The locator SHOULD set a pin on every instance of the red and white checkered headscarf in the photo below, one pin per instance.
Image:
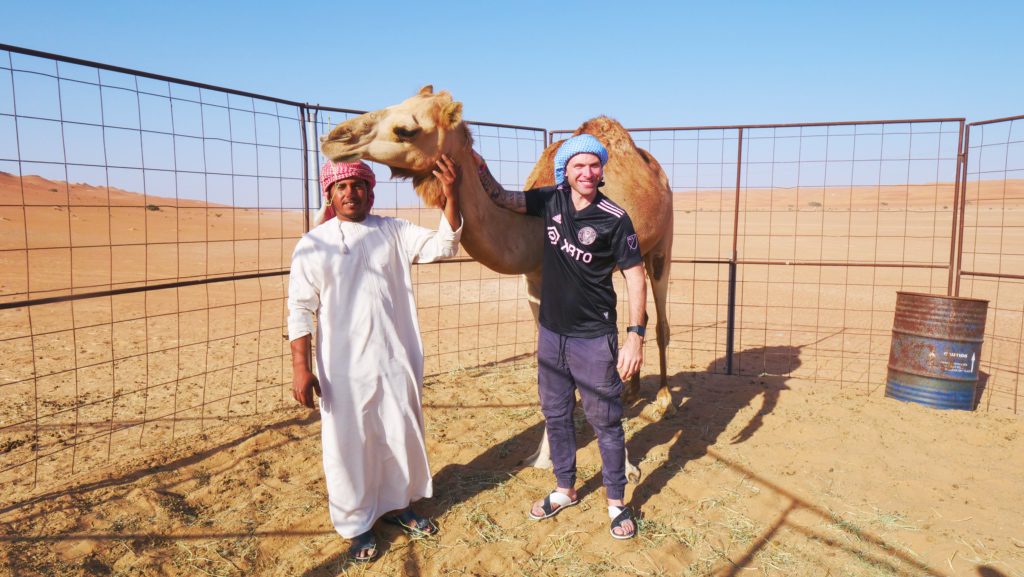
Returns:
(332, 172)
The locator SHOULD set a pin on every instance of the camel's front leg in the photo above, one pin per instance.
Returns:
(542, 457)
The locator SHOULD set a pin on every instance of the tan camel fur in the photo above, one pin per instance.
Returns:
(410, 136)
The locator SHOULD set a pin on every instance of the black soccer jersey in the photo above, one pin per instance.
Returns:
(581, 250)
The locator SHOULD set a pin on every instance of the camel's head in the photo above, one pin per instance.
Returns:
(409, 137)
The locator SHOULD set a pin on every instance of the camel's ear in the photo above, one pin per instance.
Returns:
(427, 90)
(451, 114)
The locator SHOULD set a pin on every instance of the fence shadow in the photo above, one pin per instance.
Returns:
(979, 392)
(136, 475)
(455, 483)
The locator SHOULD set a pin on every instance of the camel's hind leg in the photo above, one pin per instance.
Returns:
(659, 263)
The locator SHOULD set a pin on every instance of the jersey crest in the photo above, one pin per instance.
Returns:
(587, 236)
(631, 241)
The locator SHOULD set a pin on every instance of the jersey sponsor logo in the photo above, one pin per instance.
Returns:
(557, 218)
(575, 252)
(631, 240)
(553, 235)
(587, 236)
(569, 248)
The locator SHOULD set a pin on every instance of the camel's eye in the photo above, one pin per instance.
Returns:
(406, 133)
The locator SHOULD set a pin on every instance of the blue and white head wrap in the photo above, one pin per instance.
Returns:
(584, 143)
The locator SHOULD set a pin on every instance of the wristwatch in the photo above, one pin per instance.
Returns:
(638, 329)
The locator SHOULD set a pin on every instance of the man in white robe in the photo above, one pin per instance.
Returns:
(353, 271)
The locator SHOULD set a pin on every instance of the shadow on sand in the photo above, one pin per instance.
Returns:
(453, 484)
(708, 411)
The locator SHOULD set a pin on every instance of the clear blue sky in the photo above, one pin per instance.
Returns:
(554, 64)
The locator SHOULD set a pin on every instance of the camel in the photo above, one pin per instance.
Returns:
(410, 136)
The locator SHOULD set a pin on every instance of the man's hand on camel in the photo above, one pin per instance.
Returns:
(446, 172)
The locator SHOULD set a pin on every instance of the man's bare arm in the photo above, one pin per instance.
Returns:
(631, 354)
(304, 382)
(511, 199)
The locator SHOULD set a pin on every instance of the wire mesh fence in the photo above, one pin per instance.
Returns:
(147, 230)
(991, 264)
(147, 225)
(805, 232)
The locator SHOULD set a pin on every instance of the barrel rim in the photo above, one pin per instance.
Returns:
(917, 294)
(955, 402)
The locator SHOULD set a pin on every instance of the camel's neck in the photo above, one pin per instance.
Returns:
(498, 238)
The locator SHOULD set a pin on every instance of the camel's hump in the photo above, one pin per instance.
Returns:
(608, 130)
(613, 135)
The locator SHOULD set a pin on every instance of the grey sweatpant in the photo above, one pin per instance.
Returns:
(565, 364)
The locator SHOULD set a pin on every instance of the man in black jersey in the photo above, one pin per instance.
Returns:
(588, 236)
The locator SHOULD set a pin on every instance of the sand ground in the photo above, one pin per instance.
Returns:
(767, 475)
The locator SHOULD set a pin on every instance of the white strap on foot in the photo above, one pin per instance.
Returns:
(614, 511)
(559, 498)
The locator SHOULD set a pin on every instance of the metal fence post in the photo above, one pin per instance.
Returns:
(962, 172)
(955, 238)
(303, 113)
(315, 151)
(730, 323)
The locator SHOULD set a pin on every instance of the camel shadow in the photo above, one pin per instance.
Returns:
(711, 405)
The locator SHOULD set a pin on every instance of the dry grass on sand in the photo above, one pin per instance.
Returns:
(754, 476)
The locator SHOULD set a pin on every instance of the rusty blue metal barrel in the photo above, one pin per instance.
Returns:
(936, 350)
